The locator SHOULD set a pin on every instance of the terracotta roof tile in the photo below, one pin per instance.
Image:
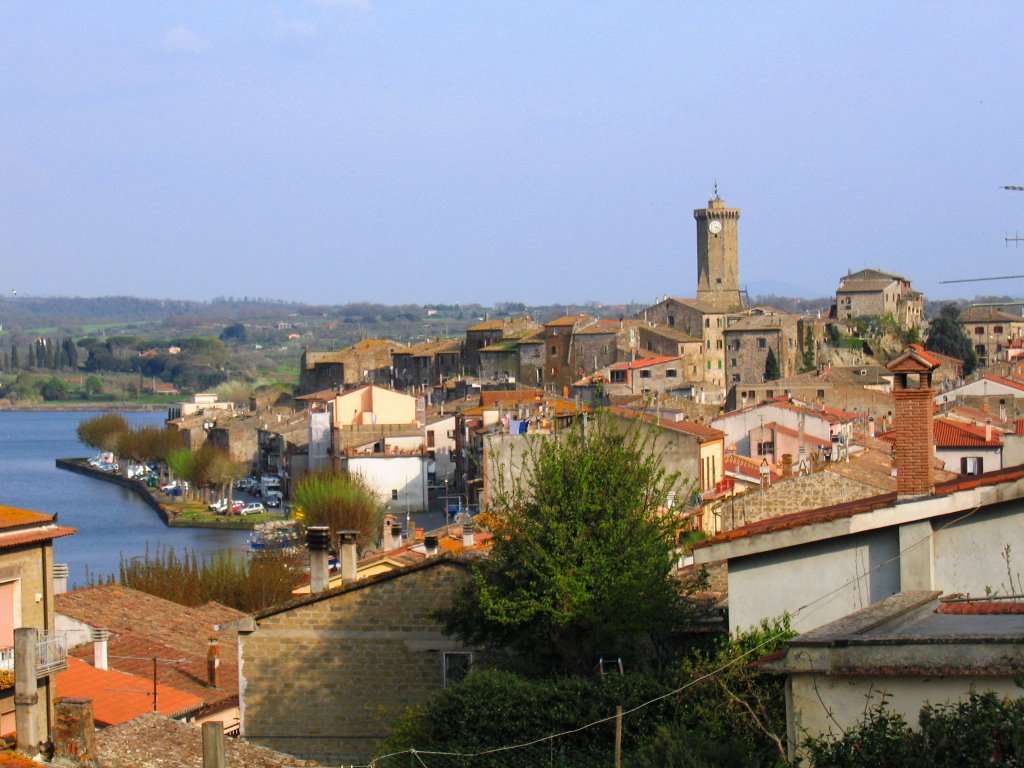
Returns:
(688, 427)
(31, 536)
(12, 517)
(955, 434)
(118, 697)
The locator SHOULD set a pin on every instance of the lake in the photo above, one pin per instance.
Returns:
(111, 521)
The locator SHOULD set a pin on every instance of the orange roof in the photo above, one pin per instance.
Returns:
(644, 363)
(567, 320)
(118, 697)
(12, 517)
(914, 359)
(1005, 382)
(495, 396)
(32, 535)
(956, 434)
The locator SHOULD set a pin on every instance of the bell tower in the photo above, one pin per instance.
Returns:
(718, 270)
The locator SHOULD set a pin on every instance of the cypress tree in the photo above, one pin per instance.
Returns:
(771, 366)
(14, 357)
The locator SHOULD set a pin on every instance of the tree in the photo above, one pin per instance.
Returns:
(54, 389)
(93, 386)
(338, 500)
(234, 332)
(808, 350)
(582, 557)
(102, 432)
(946, 335)
(771, 366)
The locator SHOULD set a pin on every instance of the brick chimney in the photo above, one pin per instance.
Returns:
(914, 409)
(74, 734)
(212, 661)
(349, 555)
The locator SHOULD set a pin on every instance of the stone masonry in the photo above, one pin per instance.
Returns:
(326, 677)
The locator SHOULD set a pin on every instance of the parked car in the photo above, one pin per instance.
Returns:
(254, 508)
(273, 499)
(236, 506)
(219, 506)
(167, 486)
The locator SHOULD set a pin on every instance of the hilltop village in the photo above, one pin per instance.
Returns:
(836, 470)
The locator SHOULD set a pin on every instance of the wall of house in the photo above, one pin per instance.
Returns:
(969, 550)
(325, 681)
(531, 364)
(820, 704)
(499, 366)
(384, 474)
(443, 448)
(737, 426)
(361, 405)
(824, 569)
(992, 458)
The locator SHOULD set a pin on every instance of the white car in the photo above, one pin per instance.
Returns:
(219, 506)
(253, 508)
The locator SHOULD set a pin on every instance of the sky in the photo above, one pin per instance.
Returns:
(334, 151)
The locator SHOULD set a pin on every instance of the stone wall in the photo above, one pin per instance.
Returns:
(795, 494)
(326, 680)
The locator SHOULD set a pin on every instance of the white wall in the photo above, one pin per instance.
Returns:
(406, 474)
(969, 546)
(992, 458)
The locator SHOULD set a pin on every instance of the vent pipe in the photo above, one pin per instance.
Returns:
(60, 578)
(395, 541)
(212, 661)
(347, 544)
(430, 545)
(467, 532)
(99, 639)
(318, 539)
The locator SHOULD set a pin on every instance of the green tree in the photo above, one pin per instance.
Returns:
(946, 335)
(102, 432)
(93, 386)
(338, 500)
(54, 389)
(582, 559)
(808, 350)
(771, 366)
(234, 332)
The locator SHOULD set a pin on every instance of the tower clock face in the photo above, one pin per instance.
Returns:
(714, 226)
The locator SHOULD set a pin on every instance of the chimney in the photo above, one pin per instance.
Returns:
(430, 546)
(787, 465)
(212, 661)
(1002, 415)
(99, 639)
(914, 408)
(60, 578)
(348, 553)
(318, 538)
(467, 531)
(871, 426)
(74, 734)
(395, 540)
(988, 430)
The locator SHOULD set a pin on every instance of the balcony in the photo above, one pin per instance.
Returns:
(51, 655)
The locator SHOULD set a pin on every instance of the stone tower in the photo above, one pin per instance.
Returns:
(718, 270)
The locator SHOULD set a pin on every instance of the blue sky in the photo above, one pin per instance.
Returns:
(501, 151)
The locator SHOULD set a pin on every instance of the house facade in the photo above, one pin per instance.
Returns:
(991, 331)
(873, 293)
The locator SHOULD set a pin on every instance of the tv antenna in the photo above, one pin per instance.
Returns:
(1016, 237)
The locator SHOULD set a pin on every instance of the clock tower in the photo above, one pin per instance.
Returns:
(718, 270)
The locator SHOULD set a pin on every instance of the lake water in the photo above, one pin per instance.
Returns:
(112, 521)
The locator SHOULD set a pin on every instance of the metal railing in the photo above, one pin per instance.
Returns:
(51, 653)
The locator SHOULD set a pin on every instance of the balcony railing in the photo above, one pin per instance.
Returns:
(51, 655)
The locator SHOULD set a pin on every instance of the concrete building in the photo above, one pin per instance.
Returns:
(873, 293)
(747, 430)
(909, 650)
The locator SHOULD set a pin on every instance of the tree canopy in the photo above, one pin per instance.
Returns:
(582, 559)
(102, 432)
(946, 335)
(338, 500)
(771, 366)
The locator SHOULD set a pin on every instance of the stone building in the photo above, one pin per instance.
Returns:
(365, 362)
(531, 351)
(489, 332)
(872, 293)
(578, 345)
(423, 365)
(748, 340)
(698, 319)
(990, 331)
(718, 271)
(325, 676)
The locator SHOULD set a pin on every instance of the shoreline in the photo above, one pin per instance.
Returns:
(76, 407)
(79, 466)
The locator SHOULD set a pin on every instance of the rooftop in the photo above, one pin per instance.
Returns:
(687, 427)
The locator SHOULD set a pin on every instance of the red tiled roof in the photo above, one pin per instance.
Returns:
(955, 434)
(12, 517)
(118, 697)
(859, 506)
(981, 607)
(495, 396)
(32, 535)
(1005, 382)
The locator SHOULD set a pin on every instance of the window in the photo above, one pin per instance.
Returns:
(732, 361)
(554, 350)
(718, 344)
(709, 365)
(430, 438)
(997, 329)
(734, 345)
(456, 667)
(770, 393)
(707, 322)
(762, 342)
(719, 322)
(670, 373)
(979, 331)
(735, 378)
(971, 465)
(394, 494)
(707, 344)
(821, 393)
(767, 448)
(645, 373)
(671, 321)
(618, 377)
(719, 365)
(718, 280)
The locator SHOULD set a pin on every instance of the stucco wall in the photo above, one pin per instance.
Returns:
(327, 680)
(773, 583)
(969, 550)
